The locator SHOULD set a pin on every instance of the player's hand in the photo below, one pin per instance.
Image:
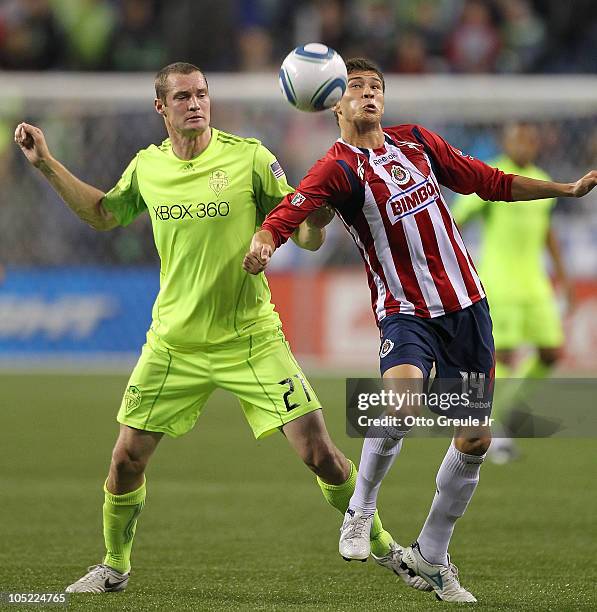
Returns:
(585, 184)
(260, 253)
(32, 142)
(321, 217)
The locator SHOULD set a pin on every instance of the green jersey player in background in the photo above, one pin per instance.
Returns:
(213, 326)
(523, 304)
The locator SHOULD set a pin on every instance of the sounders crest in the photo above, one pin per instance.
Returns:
(218, 181)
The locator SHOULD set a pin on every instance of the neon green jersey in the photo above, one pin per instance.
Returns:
(514, 239)
(204, 212)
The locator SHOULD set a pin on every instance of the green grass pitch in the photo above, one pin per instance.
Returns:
(234, 524)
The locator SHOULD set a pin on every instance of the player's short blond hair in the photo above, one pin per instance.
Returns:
(161, 78)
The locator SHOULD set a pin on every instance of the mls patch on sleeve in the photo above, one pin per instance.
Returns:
(276, 169)
(297, 199)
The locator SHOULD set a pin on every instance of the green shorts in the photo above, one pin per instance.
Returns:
(536, 323)
(168, 389)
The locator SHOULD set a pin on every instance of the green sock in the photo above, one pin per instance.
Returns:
(120, 522)
(339, 496)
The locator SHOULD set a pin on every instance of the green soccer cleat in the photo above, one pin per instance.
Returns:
(100, 579)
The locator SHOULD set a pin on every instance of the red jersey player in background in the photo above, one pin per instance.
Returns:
(384, 184)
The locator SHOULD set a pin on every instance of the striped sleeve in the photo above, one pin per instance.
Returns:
(462, 173)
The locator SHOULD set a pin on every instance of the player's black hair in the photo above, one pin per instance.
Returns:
(161, 78)
(362, 64)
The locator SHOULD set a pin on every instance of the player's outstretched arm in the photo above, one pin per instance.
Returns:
(525, 188)
(261, 251)
(83, 199)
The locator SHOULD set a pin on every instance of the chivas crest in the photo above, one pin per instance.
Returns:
(386, 347)
(400, 175)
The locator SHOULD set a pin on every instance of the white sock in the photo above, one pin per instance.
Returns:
(377, 457)
(456, 481)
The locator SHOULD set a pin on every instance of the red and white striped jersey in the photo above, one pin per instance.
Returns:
(389, 199)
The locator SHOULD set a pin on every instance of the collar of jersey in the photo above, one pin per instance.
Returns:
(364, 151)
(353, 148)
(212, 141)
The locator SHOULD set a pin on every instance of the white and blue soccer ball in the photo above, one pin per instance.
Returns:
(313, 77)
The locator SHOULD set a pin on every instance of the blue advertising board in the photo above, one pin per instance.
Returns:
(75, 310)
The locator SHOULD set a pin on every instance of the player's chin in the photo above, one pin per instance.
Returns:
(367, 123)
(369, 116)
(196, 125)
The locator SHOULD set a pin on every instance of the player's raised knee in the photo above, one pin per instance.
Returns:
(126, 463)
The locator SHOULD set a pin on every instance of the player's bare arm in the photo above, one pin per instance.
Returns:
(83, 199)
(310, 234)
(308, 237)
(524, 188)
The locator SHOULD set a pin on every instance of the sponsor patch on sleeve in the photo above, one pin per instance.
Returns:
(297, 199)
(276, 169)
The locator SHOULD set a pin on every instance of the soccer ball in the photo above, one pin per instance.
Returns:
(313, 77)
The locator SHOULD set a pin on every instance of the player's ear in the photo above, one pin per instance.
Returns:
(159, 106)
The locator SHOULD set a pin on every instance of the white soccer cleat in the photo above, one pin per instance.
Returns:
(442, 578)
(393, 560)
(100, 579)
(354, 536)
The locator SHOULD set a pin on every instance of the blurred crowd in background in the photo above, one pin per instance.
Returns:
(404, 36)
(40, 230)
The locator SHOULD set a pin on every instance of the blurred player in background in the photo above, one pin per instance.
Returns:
(213, 326)
(426, 295)
(524, 309)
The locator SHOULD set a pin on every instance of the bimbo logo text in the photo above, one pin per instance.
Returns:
(411, 201)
